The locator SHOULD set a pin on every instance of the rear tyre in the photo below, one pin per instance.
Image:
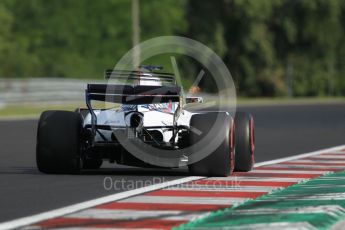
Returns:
(220, 161)
(244, 142)
(58, 145)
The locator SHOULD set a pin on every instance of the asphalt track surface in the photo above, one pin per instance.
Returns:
(280, 131)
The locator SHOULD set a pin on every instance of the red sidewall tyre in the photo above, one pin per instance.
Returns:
(244, 142)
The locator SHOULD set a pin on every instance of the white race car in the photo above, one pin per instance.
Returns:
(151, 127)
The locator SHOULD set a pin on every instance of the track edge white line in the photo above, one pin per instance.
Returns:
(24, 221)
(299, 156)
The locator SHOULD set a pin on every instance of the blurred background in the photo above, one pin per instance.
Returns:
(284, 49)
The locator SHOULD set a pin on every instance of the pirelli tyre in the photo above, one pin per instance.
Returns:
(221, 161)
(58, 145)
(244, 142)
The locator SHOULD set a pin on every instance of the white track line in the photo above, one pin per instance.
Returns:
(335, 152)
(119, 196)
(184, 200)
(219, 188)
(306, 167)
(277, 161)
(323, 156)
(133, 215)
(288, 172)
(89, 204)
(316, 161)
(237, 179)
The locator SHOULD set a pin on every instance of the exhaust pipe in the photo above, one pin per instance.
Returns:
(135, 120)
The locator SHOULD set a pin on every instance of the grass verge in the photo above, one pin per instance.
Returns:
(35, 110)
(32, 110)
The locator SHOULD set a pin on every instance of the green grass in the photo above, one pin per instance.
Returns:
(32, 110)
(36, 109)
(289, 101)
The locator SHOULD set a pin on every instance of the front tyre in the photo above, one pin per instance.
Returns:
(220, 161)
(244, 142)
(58, 147)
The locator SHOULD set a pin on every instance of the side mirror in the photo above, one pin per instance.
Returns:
(194, 100)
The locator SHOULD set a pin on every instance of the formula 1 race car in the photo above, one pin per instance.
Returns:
(150, 127)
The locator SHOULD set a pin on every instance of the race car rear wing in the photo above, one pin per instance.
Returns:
(128, 75)
(128, 94)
